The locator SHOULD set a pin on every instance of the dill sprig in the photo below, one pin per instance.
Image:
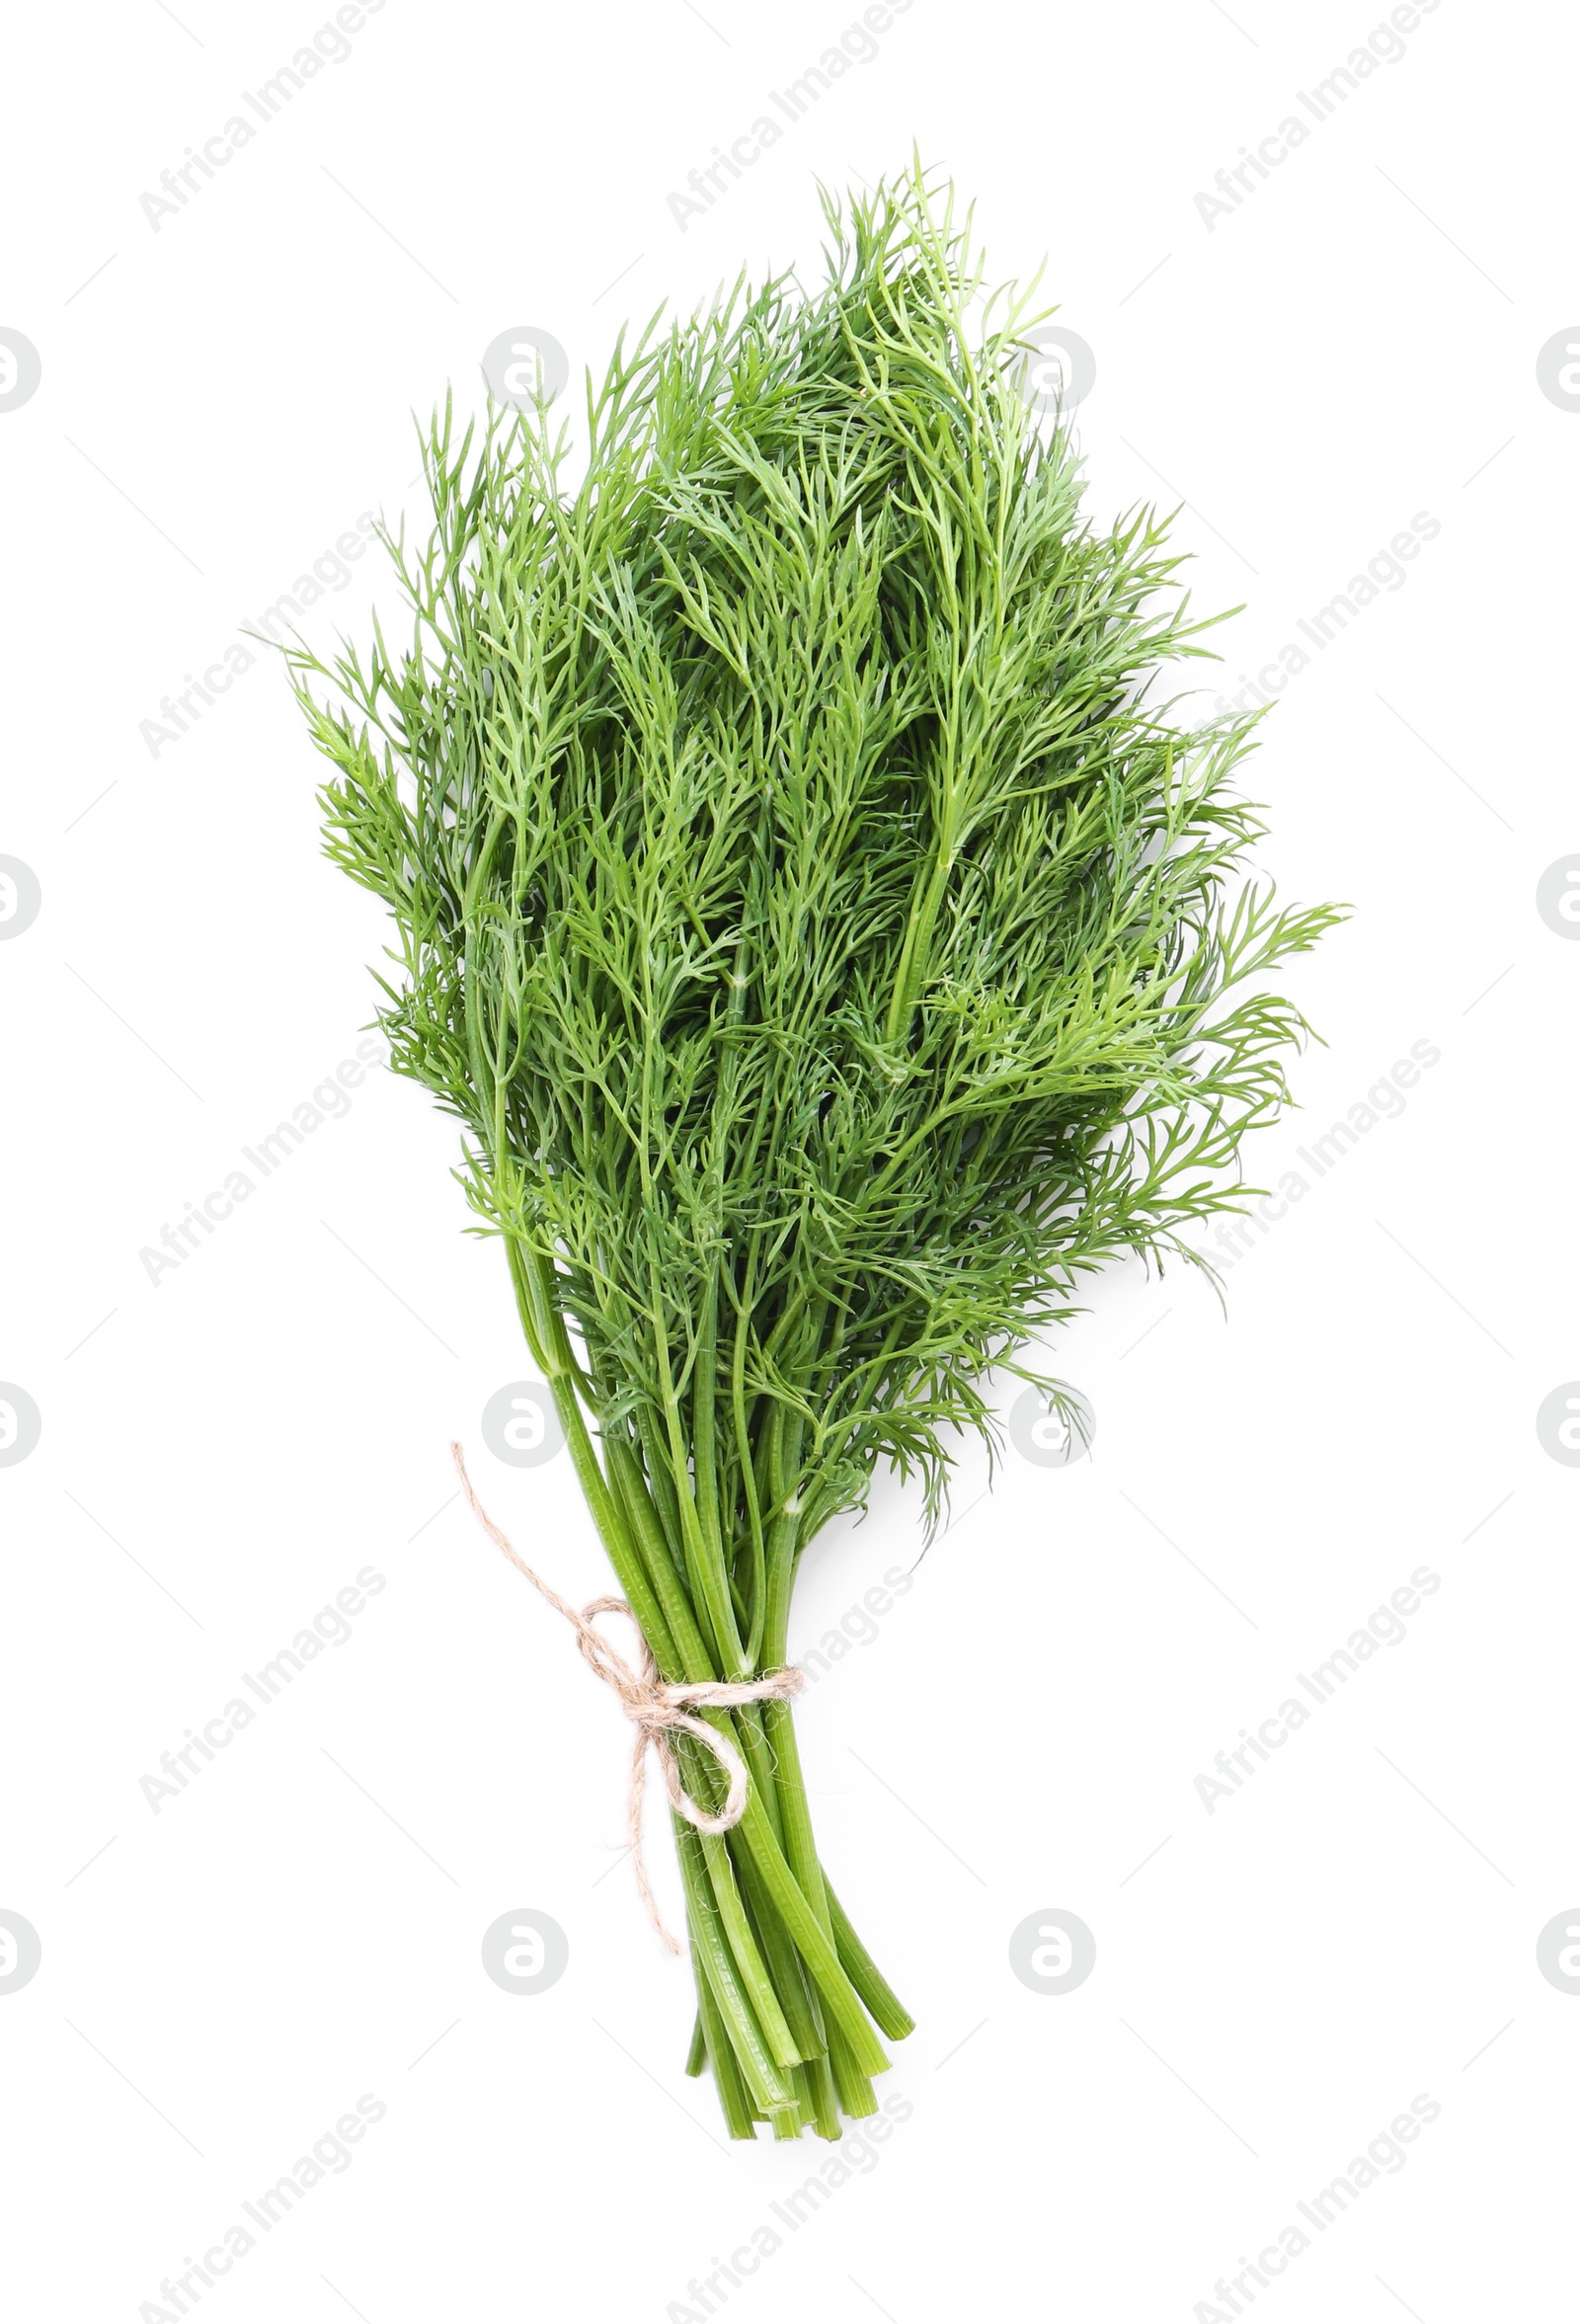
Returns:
(832, 948)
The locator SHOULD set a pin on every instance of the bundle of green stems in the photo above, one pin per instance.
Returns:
(832, 952)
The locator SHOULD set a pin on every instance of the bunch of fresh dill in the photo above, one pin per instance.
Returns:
(830, 950)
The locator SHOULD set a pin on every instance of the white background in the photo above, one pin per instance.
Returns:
(220, 398)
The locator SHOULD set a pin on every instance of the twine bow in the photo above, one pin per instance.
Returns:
(655, 1709)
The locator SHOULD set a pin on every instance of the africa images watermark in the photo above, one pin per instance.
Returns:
(856, 44)
(1231, 2295)
(856, 1627)
(328, 45)
(1384, 45)
(1384, 571)
(331, 572)
(331, 2154)
(330, 1101)
(857, 2156)
(331, 1626)
(1383, 1628)
(1385, 1100)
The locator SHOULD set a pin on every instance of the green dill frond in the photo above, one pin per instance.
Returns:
(830, 951)
(832, 946)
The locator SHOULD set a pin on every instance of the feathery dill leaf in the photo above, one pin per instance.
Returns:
(831, 947)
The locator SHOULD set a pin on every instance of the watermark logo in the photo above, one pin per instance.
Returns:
(1385, 1627)
(1386, 2157)
(856, 1627)
(1053, 1431)
(857, 2156)
(330, 1627)
(782, 107)
(1559, 369)
(1053, 1951)
(331, 572)
(1385, 574)
(1558, 1951)
(1385, 1101)
(20, 369)
(526, 368)
(1557, 1423)
(330, 1101)
(187, 178)
(525, 1952)
(1309, 110)
(1558, 897)
(330, 2157)
(521, 1424)
(20, 897)
(21, 1423)
(1059, 371)
(20, 1951)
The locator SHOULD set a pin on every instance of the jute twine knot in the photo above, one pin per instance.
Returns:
(657, 1709)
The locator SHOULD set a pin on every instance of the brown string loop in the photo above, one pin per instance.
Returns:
(658, 1710)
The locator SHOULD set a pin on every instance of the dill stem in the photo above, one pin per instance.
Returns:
(842, 2003)
(888, 2012)
(830, 951)
(733, 1659)
(737, 2115)
(692, 1659)
(761, 2074)
(782, 1961)
(780, 2042)
(526, 1270)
